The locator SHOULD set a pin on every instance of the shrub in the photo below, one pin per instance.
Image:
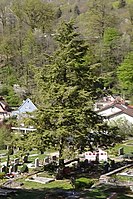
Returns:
(51, 167)
(2, 175)
(82, 183)
(24, 169)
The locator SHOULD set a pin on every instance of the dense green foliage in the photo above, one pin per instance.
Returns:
(5, 137)
(125, 74)
(68, 87)
(82, 183)
(26, 36)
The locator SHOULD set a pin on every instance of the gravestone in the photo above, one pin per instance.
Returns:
(15, 167)
(121, 151)
(10, 169)
(16, 161)
(25, 158)
(0, 169)
(46, 160)
(4, 169)
(54, 158)
(36, 162)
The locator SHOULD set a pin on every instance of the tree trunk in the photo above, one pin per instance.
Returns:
(61, 160)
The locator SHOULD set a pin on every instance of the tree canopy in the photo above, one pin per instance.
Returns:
(125, 74)
(69, 87)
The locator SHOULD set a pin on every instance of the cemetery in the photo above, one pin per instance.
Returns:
(96, 169)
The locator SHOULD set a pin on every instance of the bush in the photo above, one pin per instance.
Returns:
(24, 169)
(51, 167)
(82, 183)
(2, 175)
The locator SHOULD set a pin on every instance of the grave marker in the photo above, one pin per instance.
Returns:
(36, 162)
(121, 151)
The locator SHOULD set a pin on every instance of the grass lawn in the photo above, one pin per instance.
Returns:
(127, 146)
(31, 158)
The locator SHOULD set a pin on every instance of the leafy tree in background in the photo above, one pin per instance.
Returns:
(36, 14)
(101, 32)
(26, 41)
(112, 56)
(5, 137)
(125, 74)
(125, 128)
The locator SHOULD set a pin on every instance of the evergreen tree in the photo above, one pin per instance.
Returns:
(66, 117)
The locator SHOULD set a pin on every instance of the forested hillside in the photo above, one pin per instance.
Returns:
(27, 32)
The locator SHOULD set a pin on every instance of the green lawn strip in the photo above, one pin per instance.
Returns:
(60, 184)
(126, 146)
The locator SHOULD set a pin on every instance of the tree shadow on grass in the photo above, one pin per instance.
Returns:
(46, 193)
(101, 192)
(105, 191)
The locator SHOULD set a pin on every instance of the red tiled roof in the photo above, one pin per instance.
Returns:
(4, 106)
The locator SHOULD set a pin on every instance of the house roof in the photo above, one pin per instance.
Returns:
(123, 108)
(26, 107)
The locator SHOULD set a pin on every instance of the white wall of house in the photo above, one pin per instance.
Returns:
(91, 156)
(109, 111)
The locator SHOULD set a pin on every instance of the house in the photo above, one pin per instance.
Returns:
(93, 156)
(117, 109)
(27, 107)
(5, 110)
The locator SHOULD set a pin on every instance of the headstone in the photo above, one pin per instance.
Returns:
(54, 158)
(106, 167)
(15, 168)
(36, 162)
(121, 151)
(16, 161)
(46, 160)
(25, 158)
(0, 169)
(10, 169)
(4, 169)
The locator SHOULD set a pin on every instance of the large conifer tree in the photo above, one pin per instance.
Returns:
(69, 87)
